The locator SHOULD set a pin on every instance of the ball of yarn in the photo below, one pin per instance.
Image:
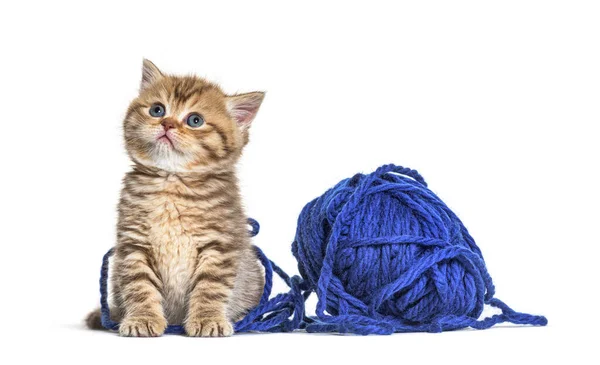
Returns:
(384, 254)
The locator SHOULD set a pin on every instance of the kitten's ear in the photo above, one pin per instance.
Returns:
(243, 107)
(150, 73)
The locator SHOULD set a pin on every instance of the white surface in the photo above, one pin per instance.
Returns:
(496, 105)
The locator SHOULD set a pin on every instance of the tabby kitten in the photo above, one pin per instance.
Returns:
(183, 253)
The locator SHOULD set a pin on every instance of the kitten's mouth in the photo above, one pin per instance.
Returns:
(165, 139)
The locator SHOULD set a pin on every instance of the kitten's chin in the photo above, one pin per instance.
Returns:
(165, 142)
(161, 158)
(169, 166)
(173, 162)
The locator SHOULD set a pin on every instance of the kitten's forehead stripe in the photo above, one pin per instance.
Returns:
(185, 88)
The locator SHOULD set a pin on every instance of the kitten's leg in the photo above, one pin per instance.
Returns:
(211, 290)
(139, 292)
(249, 286)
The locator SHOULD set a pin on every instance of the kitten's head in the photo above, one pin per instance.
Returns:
(187, 124)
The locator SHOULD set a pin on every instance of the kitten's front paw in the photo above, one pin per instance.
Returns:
(142, 327)
(209, 327)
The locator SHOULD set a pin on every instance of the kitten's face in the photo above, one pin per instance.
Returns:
(187, 124)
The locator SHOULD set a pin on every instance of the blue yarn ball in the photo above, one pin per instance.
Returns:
(384, 254)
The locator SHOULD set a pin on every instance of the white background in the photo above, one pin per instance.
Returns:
(495, 103)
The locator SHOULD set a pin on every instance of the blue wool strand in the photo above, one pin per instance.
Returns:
(383, 254)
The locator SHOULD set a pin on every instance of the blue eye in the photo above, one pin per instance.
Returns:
(157, 110)
(195, 120)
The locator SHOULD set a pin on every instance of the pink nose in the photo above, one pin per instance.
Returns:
(168, 124)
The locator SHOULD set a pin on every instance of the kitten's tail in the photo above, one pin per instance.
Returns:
(93, 320)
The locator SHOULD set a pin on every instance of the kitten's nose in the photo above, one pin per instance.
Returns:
(168, 124)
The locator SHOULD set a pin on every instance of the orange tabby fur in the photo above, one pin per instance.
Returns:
(183, 252)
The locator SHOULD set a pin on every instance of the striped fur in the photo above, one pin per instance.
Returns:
(183, 252)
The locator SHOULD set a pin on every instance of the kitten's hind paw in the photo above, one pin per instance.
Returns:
(209, 327)
(142, 327)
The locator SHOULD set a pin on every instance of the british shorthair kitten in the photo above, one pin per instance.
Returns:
(183, 253)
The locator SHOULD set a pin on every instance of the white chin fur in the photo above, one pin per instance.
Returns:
(165, 158)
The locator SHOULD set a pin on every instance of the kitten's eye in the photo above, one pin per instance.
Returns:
(195, 120)
(157, 110)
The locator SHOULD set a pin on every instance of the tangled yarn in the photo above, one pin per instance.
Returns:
(383, 254)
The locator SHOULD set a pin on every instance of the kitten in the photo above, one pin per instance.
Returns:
(183, 253)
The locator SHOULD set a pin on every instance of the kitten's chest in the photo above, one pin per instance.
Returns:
(170, 235)
(175, 252)
(168, 228)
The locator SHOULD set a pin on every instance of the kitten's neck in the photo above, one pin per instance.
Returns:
(209, 173)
